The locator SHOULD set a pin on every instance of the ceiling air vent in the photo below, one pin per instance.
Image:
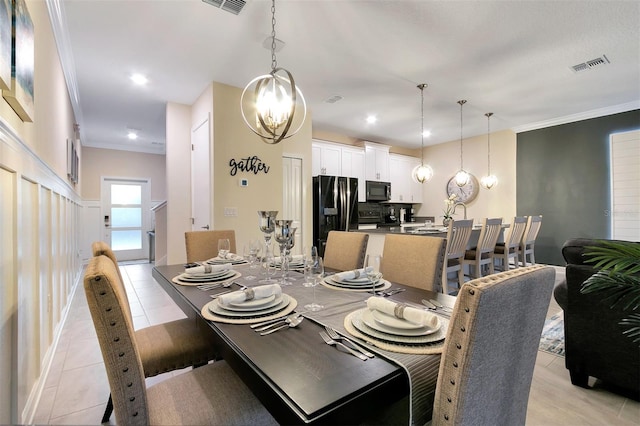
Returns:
(233, 6)
(333, 99)
(603, 60)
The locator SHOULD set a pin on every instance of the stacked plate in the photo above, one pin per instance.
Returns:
(390, 329)
(296, 262)
(231, 258)
(207, 278)
(362, 283)
(254, 308)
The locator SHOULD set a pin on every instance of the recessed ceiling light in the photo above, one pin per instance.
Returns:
(132, 135)
(372, 119)
(426, 133)
(139, 79)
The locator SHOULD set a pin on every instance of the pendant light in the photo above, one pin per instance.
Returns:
(274, 98)
(489, 181)
(462, 177)
(422, 173)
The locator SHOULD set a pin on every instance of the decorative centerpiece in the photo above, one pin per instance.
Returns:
(449, 209)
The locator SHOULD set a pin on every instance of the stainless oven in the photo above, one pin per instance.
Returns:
(378, 191)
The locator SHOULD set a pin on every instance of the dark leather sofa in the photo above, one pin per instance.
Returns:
(594, 343)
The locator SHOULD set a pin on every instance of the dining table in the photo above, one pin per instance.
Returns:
(302, 380)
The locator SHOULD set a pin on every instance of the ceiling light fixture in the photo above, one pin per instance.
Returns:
(139, 79)
(489, 181)
(132, 135)
(274, 98)
(462, 177)
(422, 173)
(371, 119)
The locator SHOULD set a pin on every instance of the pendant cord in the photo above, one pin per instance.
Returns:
(422, 86)
(274, 62)
(462, 102)
(489, 114)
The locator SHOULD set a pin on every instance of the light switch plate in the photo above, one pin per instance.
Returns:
(231, 211)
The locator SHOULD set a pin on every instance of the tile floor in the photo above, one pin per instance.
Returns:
(76, 389)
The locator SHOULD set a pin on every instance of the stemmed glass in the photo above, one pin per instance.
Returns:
(284, 235)
(308, 259)
(267, 224)
(372, 263)
(316, 270)
(224, 246)
(269, 266)
(251, 252)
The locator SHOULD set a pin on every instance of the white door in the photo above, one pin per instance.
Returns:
(292, 196)
(126, 216)
(200, 177)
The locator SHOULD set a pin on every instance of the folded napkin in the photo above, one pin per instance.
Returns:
(400, 310)
(296, 258)
(356, 273)
(259, 292)
(207, 269)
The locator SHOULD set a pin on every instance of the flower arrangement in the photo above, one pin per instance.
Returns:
(450, 206)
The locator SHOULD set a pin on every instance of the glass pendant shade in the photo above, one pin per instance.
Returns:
(462, 177)
(490, 180)
(272, 106)
(422, 173)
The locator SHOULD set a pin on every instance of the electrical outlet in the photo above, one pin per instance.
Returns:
(231, 211)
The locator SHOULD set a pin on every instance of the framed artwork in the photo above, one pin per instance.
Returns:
(72, 161)
(5, 43)
(20, 93)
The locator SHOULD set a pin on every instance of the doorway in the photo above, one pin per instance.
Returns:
(126, 216)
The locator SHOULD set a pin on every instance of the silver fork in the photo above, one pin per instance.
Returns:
(337, 337)
(329, 341)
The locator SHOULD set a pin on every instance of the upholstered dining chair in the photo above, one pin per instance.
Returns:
(510, 248)
(413, 260)
(490, 349)
(458, 236)
(527, 245)
(483, 253)
(345, 251)
(163, 347)
(211, 394)
(203, 245)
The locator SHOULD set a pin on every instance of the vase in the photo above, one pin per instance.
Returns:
(446, 221)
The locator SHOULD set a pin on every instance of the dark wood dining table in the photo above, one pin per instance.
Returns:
(302, 380)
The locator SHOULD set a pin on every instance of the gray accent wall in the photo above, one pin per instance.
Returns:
(562, 173)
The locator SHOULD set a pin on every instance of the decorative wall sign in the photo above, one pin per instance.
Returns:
(5, 44)
(20, 94)
(249, 164)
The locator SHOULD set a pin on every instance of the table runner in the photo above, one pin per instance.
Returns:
(422, 370)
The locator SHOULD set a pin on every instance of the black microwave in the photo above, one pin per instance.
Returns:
(378, 191)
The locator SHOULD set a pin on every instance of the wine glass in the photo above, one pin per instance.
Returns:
(308, 259)
(255, 250)
(373, 263)
(249, 255)
(284, 234)
(224, 246)
(317, 273)
(269, 266)
(267, 223)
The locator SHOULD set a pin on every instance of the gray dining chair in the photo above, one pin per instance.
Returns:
(458, 236)
(212, 394)
(345, 251)
(163, 347)
(510, 248)
(203, 245)
(413, 260)
(483, 253)
(491, 347)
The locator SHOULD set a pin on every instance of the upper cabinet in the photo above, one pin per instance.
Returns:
(326, 159)
(403, 188)
(353, 165)
(377, 162)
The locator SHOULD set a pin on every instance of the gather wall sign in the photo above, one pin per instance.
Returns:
(249, 164)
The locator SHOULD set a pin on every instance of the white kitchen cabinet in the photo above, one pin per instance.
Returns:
(403, 188)
(377, 162)
(326, 159)
(353, 165)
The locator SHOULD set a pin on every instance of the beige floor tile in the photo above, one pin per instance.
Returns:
(88, 416)
(81, 353)
(631, 411)
(45, 405)
(164, 314)
(81, 388)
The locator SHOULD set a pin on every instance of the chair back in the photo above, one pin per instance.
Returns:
(114, 328)
(203, 245)
(100, 248)
(531, 233)
(489, 236)
(515, 233)
(345, 251)
(413, 260)
(458, 236)
(491, 346)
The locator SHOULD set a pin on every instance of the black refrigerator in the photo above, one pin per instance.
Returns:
(335, 207)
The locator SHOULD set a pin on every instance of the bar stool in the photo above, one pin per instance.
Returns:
(483, 254)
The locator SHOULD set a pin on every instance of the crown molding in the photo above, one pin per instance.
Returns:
(595, 113)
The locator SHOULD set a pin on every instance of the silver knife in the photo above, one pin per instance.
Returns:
(428, 304)
(439, 305)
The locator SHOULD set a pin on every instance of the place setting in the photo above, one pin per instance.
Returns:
(225, 256)
(207, 274)
(398, 327)
(362, 280)
(250, 305)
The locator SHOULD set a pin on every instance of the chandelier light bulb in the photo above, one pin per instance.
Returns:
(273, 105)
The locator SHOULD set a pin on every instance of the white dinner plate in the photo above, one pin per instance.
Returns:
(371, 321)
(367, 285)
(232, 275)
(201, 275)
(359, 324)
(207, 278)
(393, 322)
(216, 309)
(254, 304)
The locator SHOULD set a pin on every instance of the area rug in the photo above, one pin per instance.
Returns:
(552, 338)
